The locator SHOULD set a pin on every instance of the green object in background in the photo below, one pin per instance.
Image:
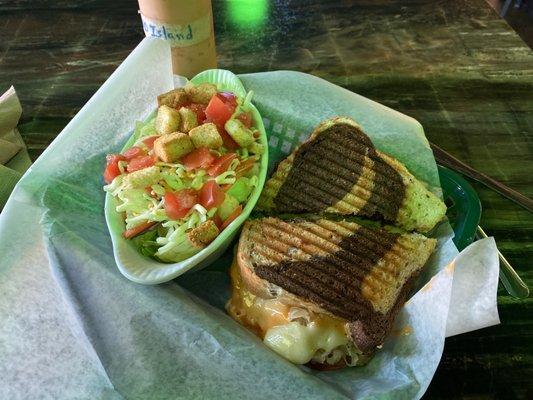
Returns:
(248, 14)
(464, 207)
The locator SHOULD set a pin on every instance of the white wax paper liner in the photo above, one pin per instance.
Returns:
(73, 327)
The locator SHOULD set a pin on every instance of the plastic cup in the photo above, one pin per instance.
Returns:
(188, 27)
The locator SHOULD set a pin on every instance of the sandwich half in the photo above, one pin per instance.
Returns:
(322, 292)
(338, 170)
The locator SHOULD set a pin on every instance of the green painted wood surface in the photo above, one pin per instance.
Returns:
(453, 65)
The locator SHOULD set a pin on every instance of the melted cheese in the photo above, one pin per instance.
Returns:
(254, 312)
(269, 319)
(299, 343)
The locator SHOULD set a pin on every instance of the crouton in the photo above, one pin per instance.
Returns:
(240, 133)
(201, 93)
(206, 135)
(203, 234)
(189, 119)
(167, 120)
(175, 98)
(142, 178)
(173, 146)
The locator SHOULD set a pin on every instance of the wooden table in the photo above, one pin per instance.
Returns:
(453, 65)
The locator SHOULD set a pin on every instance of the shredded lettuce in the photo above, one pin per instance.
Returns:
(173, 181)
(155, 213)
(133, 201)
(177, 247)
(143, 129)
(177, 251)
(198, 181)
(146, 243)
(234, 164)
(147, 129)
(158, 189)
(122, 166)
(226, 178)
(201, 209)
(243, 153)
(193, 221)
(137, 131)
(115, 186)
(247, 100)
(254, 181)
(170, 165)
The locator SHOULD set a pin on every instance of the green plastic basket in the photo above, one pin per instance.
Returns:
(464, 207)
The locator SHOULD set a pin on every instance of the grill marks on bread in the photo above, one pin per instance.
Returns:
(328, 275)
(361, 274)
(326, 169)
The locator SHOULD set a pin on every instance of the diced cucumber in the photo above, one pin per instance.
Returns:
(229, 204)
(241, 189)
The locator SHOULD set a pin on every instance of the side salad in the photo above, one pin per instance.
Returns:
(189, 173)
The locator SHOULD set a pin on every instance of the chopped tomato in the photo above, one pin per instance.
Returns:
(211, 195)
(221, 164)
(244, 167)
(228, 98)
(133, 152)
(232, 216)
(178, 204)
(149, 141)
(114, 158)
(199, 109)
(140, 162)
(218, 221)
(129, 233)
(228, 141)
(246, 118)
(112, 170)
(218, 111)
(199, 158)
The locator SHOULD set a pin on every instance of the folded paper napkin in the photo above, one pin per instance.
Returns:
(14, 158)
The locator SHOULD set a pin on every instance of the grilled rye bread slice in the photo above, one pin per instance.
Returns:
(359, 274)
(338, 170)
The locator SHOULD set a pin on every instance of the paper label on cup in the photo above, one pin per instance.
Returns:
(178, 35)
